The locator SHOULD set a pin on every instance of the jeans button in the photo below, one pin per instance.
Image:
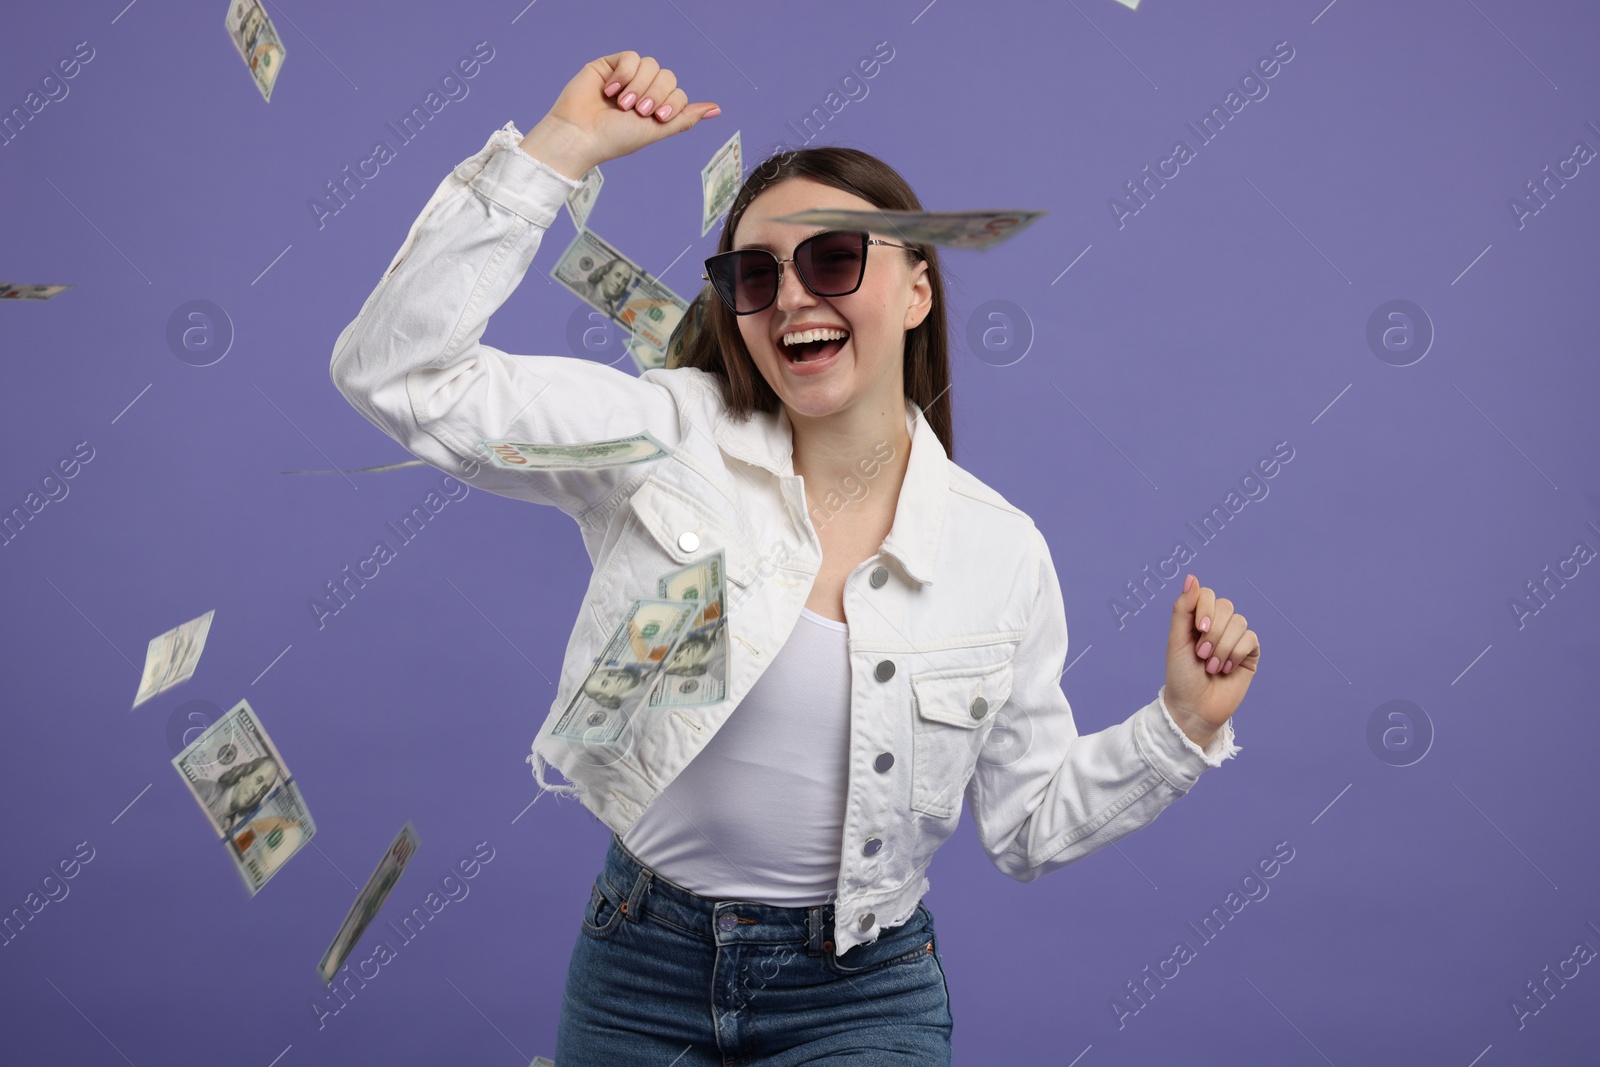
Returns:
(980, 707)
(688, 541)
(885, 670)
(884, 761)
(871, 847)
(867, 921)
(726, 922)
(879, 576)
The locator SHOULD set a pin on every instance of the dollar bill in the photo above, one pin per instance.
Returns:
(687, 332)
(15, 291)
(520, 456)
(651, 311)
(696, 670)
(581, 200)
(369, 900)
(952, 229)
(619, 682)
(231, 768)
(258, 43)
(719, 182)
(273, 833)
(645, 355)
(172, 657)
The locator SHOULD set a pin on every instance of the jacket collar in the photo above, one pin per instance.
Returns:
(766, 440)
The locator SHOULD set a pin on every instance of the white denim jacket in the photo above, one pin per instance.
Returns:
(957, 630)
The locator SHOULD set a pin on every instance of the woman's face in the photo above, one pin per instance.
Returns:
(894, 297)
(615, 280)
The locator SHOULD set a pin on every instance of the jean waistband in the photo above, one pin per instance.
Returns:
(642, 892)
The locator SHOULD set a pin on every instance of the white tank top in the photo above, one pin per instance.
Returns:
(758, 814)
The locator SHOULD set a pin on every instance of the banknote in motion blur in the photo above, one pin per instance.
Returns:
(619, 682)
(172, 657)
(719, 182)
(581, 200)
(517, 455)
(258, 43)
(950, 229)
(369, 900)
(695, 672)
(14, 291)
(240, 781)
(618, 288)
(686, 334)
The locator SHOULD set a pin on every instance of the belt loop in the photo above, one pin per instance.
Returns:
(814, 929)
(631, 906)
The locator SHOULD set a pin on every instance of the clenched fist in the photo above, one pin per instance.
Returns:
(1211, 659)
(615, 105)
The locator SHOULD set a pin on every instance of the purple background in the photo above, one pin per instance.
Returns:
(1229, 314)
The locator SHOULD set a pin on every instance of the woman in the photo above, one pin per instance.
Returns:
(761, 899)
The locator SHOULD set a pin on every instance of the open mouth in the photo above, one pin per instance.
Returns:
(826, 343)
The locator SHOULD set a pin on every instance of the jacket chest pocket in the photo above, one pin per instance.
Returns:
(953, 713)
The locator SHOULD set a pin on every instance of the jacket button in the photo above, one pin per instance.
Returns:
(879, 576)
(885, 670)
(884, 761)
(871, 847)
(980, 708)
(688, 541)
(867, 921)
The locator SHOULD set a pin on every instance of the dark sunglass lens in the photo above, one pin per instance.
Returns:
(832, 262)
(756, 280)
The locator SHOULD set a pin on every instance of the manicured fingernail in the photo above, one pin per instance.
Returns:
(665, 110)
(1205, 624)
(713, 113)
(627, 101)
(613, 87)
(1204, 649)
(645, 105)
(1227, 665)
(1211, 668)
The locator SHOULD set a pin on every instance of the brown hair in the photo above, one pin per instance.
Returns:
(719, 348)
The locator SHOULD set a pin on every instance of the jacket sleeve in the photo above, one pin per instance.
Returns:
(1048, 796)
(412, 362)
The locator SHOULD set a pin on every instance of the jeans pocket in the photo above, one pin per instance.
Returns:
(910, 942)
(604, 912)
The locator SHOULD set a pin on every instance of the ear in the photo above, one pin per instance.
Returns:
(921, 296)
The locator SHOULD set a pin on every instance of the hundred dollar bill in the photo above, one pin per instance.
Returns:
(258, 43)
(719, 182)
(696, 671)
(231, 768)
(520, 456)
(953, 229)
(597, 273)
(645, 355)
(651, 311)
(620, 680)
(273, 833)
(369, 900)
(15, 291)
(686, 334)
(581, 200)
(172, 657)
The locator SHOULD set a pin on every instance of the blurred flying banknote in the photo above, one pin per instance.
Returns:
(620, 680)
(719, 182)
(517, 455)
(952, 229)
(14, 291)
(172, 657)
(265, 842)
(645, 355)
(696, 670)
(369, 900)
(258, 43)
(581, 200)
(615, 286)
(687, 332)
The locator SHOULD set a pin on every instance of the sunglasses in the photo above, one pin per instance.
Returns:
(829, 264)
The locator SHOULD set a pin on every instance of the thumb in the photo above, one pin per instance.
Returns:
(1183, 613)
(689, 116)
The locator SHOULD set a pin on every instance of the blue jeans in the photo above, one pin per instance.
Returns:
(663, 976)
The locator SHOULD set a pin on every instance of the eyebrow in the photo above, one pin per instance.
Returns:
(768, 248)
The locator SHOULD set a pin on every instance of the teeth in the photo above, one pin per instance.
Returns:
(807, 336)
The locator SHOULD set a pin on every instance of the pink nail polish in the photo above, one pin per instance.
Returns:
(627, 101)
(664, 111)
(644, 106)
(1227, 666)
(613, 87)
(1204, 650)
(1213, 665)
(1205, 624)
